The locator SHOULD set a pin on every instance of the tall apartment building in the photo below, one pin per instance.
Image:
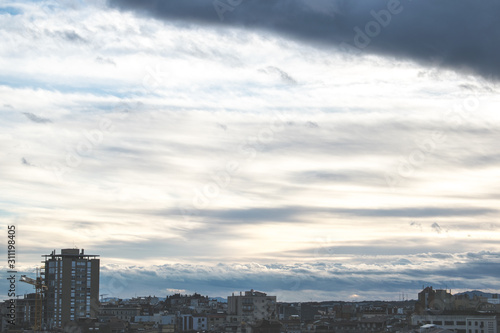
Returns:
(72, 278)
(252, 306)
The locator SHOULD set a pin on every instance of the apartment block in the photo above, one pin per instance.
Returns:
(72, 278)
(252, 306)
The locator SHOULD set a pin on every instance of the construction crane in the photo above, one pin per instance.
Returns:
(102, 299)
(39, 287)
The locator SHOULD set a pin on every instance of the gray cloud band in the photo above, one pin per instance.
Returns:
(462, 35)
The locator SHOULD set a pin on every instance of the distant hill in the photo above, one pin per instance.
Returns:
(473, 293)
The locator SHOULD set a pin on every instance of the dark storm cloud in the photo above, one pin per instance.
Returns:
(470, 270)
(460, 34)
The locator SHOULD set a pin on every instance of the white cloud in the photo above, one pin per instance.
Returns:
(167, 142)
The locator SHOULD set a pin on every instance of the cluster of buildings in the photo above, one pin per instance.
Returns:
(462, 313)
(67, 290)
(67, 300)
(344, 317)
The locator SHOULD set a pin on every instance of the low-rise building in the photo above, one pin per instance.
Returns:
(123, 312)
(459, 323)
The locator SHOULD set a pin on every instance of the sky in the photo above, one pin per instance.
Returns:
(313, 150)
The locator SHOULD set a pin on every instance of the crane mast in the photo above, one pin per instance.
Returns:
(39, 288)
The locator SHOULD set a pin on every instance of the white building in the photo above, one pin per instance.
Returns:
(200, 323)
(482, 324)
(460, 323)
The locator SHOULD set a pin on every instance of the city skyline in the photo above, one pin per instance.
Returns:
(312, 150)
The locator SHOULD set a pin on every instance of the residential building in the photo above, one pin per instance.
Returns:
(186, 322)
(25, 311)
(482, 324)
(123, 312)
(200, 322)
(216, 321)
(72, 278)
(252, 306)
(464, 323)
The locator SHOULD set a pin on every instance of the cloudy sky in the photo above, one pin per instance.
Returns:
(310, 149)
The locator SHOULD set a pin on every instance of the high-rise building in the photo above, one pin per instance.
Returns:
(72, 278)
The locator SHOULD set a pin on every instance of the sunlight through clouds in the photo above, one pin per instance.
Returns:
(246, 154)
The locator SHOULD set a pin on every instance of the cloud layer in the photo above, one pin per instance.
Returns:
(463, 34)
(196, 156)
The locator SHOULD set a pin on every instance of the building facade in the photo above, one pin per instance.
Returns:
(122, 312)
(25, 311)
(252, 306)
(460, 323)
(72, 278)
